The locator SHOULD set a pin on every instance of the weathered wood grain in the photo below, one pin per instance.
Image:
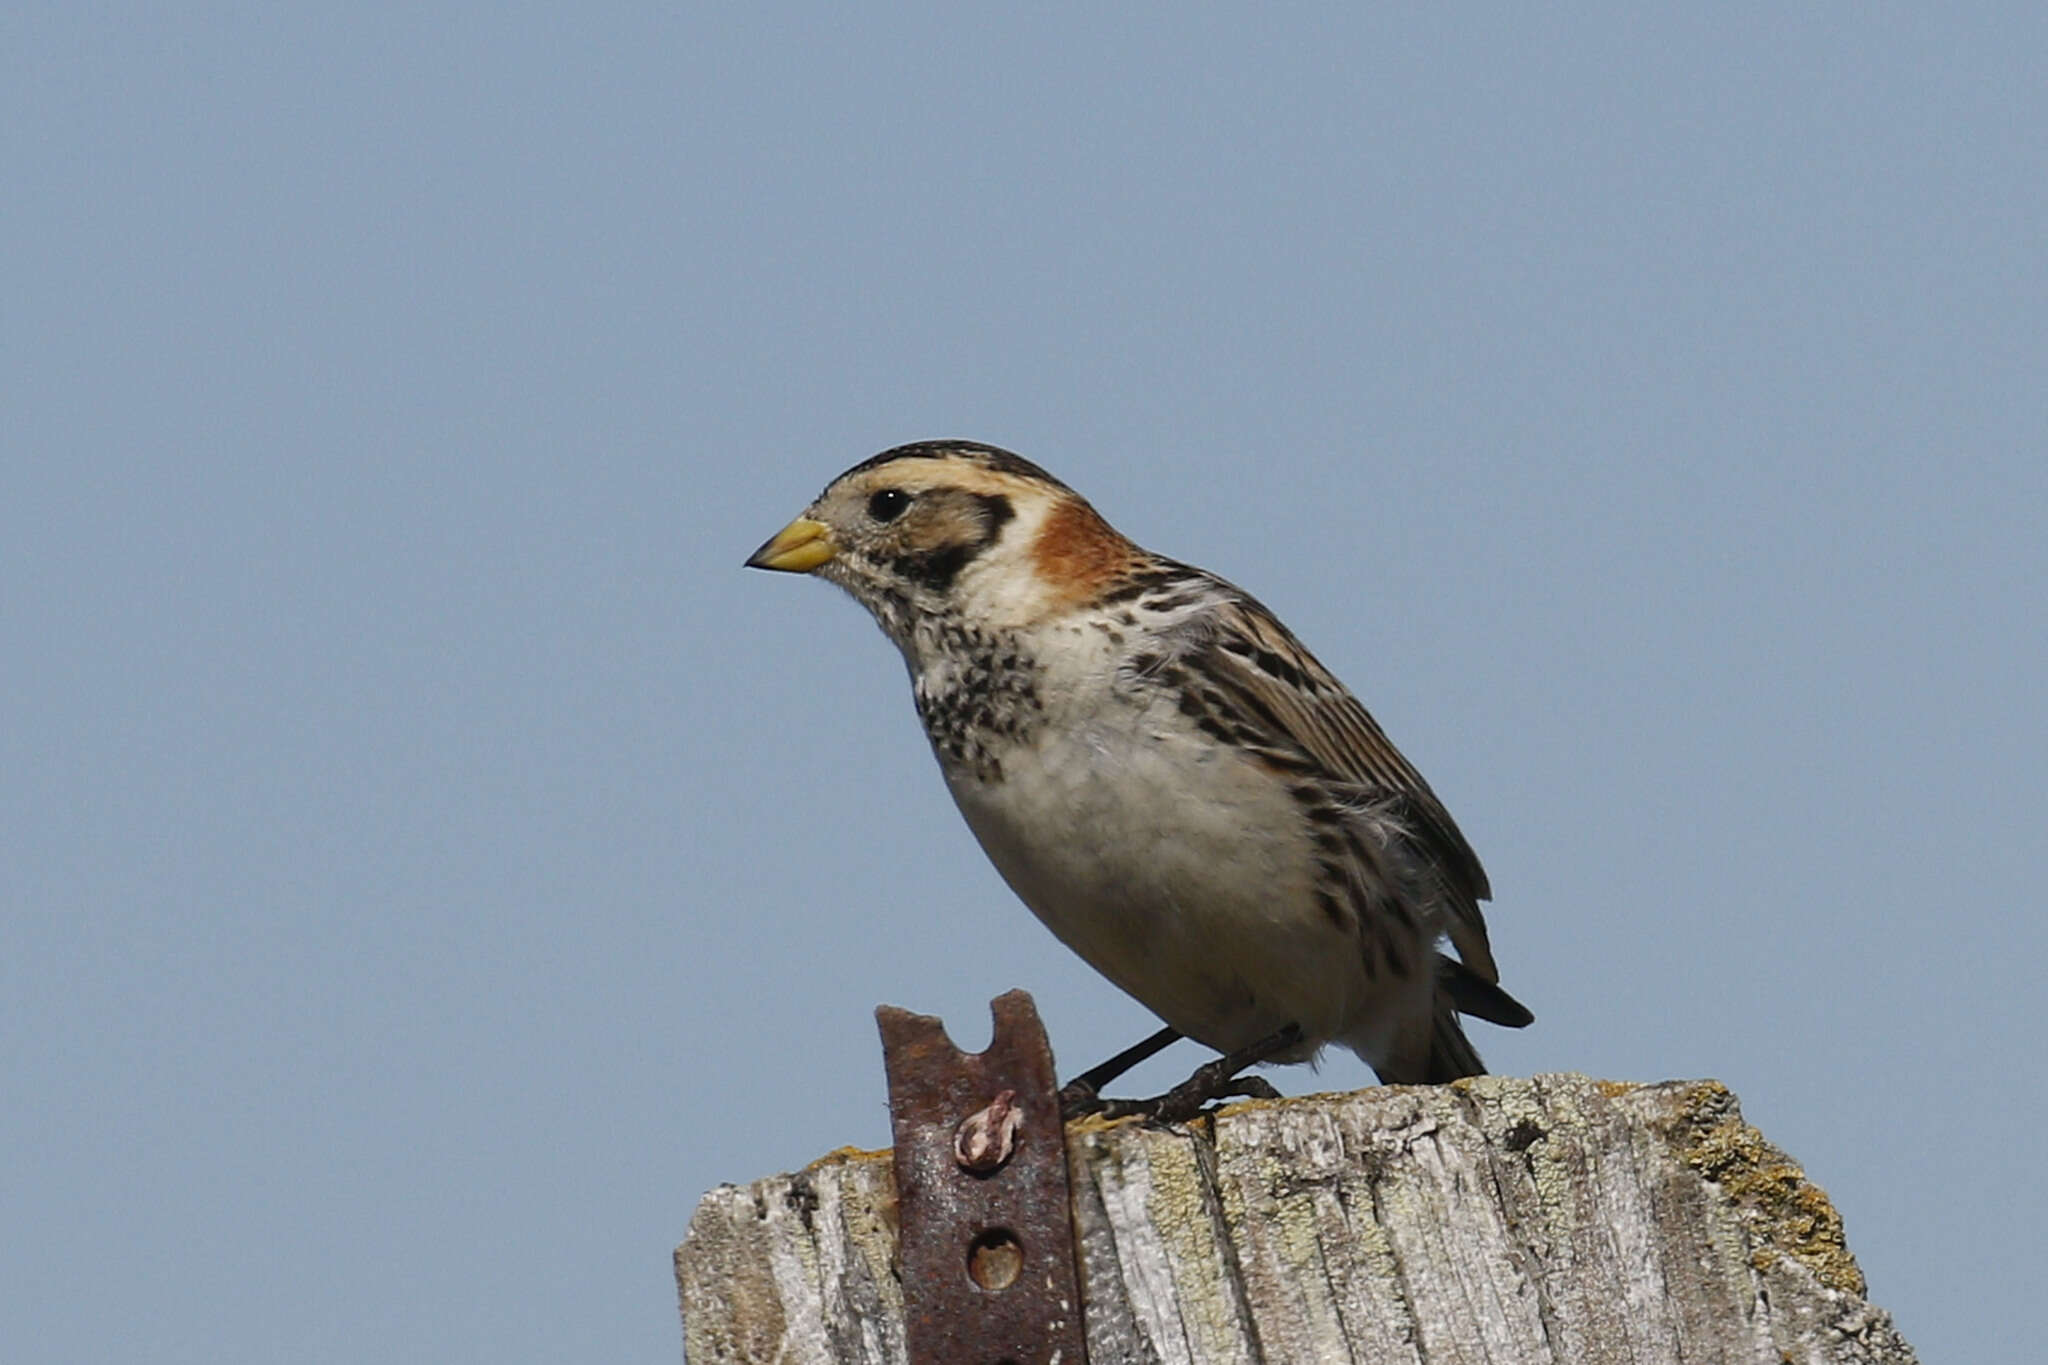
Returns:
(1553, 1221)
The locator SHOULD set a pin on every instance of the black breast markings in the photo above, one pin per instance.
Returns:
(988, 699)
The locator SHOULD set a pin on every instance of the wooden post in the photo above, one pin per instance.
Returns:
(1557, 1220)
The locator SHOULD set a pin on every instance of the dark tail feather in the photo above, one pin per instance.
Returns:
(1460, 990)
(1470, 993)
(1451, 1054)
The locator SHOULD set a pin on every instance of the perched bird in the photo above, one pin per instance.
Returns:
(1162, 772)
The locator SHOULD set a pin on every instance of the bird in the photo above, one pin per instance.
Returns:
(1165, 776)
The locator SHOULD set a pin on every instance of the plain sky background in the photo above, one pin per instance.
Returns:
(430, 862)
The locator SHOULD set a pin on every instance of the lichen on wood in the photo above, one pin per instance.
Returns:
(1554, 1220)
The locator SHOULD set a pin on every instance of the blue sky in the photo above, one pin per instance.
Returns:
(428, 861)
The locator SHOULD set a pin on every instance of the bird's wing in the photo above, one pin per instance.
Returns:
(1285, 690)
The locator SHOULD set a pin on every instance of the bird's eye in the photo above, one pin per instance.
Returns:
(888, 504)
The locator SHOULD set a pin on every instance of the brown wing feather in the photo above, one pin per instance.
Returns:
(1253, 655)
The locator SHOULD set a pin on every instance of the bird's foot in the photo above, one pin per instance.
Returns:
(1214, 1080)
(1079, 1099)
(1188, 1099)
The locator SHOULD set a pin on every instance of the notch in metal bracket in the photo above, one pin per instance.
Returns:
(983, 1212)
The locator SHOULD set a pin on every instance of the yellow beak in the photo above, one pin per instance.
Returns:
(798, 547)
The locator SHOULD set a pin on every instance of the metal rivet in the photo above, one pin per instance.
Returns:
(986, 1138)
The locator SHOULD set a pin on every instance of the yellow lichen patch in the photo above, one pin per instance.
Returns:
(1794, 1215)
(1254, 1106)
(1089, 1124)
(843, 1155)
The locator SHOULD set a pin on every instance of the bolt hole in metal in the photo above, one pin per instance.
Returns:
(995, 1259)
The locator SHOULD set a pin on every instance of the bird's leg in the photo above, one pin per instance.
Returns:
(1083, 1094)
(1212, 1081)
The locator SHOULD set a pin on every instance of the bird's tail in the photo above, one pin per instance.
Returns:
(1470, 993)
(1450, 1054)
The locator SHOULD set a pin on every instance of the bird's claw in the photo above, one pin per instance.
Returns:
(1178, 1105)
(1078, 1099)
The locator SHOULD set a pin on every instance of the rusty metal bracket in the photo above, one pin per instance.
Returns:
(983, 1214)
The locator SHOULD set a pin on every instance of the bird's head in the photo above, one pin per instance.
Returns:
(951, 529)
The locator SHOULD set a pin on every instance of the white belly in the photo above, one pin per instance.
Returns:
(1177, 868)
